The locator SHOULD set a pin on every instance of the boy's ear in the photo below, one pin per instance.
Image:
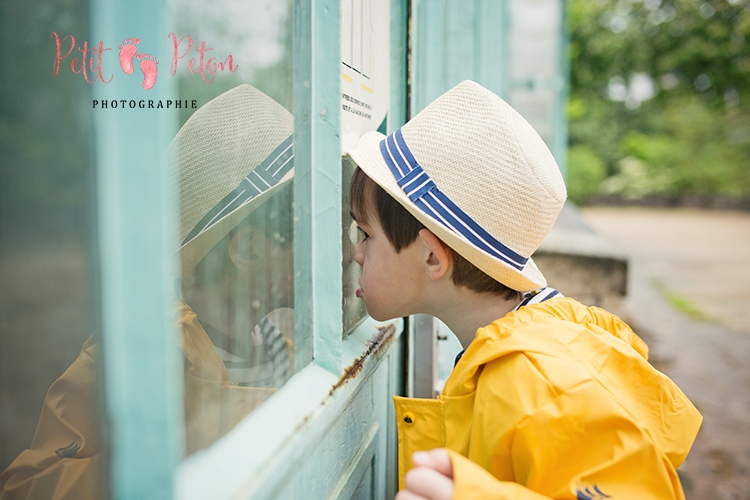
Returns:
(438, 258)
(244, 248)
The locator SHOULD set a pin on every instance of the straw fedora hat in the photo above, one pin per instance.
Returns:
(229, 157)
(476, 174)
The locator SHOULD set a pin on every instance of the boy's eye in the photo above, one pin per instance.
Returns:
(356, 234)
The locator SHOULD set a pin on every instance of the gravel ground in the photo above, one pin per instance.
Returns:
(689, 282)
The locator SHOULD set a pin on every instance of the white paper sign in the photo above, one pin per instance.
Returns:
(365, 67)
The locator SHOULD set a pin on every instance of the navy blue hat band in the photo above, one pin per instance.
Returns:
(423, 192)
(262, 178)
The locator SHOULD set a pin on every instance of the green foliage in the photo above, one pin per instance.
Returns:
(693, 136)
(636, 179)
(586, 171)
(685, 37)
(682, 303)
(686, 306)
(275, 81)
(45, 127)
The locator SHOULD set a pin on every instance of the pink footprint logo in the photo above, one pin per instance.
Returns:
(127, 51)
(148, 66)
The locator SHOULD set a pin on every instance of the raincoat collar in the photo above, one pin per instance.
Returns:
(505, 336)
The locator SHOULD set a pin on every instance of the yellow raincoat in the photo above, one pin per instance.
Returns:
(556, 400)
(65, 457)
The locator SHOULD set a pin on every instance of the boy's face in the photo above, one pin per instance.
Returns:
(263, 281)
(391, 284)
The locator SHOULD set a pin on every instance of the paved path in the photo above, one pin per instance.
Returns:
(689, 285)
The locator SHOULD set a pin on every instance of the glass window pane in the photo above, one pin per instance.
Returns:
(354, 307)
(50, 425)
(234, 161)
(365, 101)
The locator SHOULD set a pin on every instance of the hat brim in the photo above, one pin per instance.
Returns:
(193, 251)
(367, 156)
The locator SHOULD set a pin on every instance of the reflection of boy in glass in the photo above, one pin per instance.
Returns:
(233, 167)
(242, 292)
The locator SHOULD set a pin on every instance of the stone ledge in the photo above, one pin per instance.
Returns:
(580, 263)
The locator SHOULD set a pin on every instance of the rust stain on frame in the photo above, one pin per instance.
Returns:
(374, 346)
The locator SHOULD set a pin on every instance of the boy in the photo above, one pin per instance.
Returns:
(550, 398)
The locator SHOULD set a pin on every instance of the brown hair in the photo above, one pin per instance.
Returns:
(402, 228)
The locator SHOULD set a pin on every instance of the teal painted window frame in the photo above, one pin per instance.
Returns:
(316, 50)
(458, 39)
(142, 369)
(286, 426)
(455, 40)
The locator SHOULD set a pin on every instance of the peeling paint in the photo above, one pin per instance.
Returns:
(374, 346)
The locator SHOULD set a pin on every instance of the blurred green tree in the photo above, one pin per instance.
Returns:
(664, 84)
(47, 169)
(586, 171)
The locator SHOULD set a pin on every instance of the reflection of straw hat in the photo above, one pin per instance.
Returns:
(475, 173)
(229, 157)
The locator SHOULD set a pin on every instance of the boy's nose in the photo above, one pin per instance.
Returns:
(359, 255)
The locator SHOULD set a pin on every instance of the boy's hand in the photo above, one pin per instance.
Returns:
(430, 479)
